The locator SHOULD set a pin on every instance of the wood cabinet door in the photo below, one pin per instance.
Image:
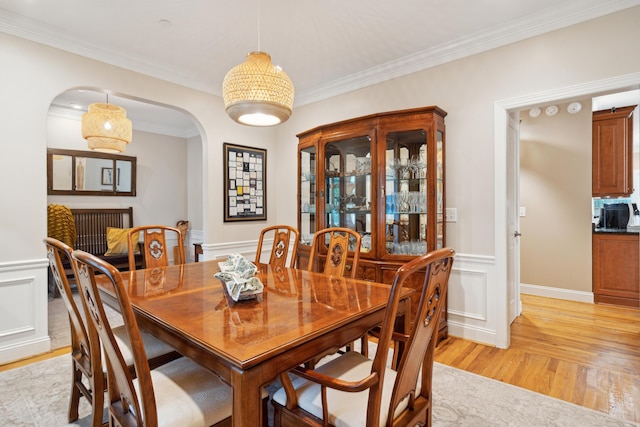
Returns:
(612, 164)
(616, 261)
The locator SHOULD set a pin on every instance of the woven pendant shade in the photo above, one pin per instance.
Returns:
(106, 128)
(257, 93)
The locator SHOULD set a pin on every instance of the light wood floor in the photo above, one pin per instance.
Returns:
(587, 354)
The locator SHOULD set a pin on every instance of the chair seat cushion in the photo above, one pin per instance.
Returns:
(153, 346)
(345, 409)
(189, 395)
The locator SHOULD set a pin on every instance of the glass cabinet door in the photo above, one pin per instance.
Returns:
(307, 191)
(439, 191)
(348, 186)
(406, 199)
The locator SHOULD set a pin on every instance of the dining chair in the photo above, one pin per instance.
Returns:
(88, 371)
(334, 392)
(154, 245)
(179, 393)
(332, 246)
(282, 235)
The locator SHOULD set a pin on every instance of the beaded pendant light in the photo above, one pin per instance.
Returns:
(257, 93)
(106, 128)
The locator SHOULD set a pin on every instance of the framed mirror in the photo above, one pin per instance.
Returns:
(89, 173)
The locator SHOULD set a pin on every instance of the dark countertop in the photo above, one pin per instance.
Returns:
(613, 231)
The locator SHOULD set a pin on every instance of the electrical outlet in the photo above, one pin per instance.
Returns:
(451, 214)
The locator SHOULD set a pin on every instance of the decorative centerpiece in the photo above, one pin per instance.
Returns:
(239, 276)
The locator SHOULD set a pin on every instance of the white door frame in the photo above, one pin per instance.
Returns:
(513, 216)
(502, 205)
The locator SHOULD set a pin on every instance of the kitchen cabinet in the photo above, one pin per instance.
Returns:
(612, 159)
(616, 260)
(383, 176)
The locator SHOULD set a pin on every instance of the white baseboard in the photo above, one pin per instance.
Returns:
(24, 349)
(472, 333)
(558, 293)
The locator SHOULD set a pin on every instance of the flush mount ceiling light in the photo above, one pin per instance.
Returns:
(106, 128)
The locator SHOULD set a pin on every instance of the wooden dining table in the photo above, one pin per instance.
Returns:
(248, 343)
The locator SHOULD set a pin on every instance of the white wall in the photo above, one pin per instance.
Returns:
(555, 189)
(467, 89)
(194, 194)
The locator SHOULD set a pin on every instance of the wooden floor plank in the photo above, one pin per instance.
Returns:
(587, 354)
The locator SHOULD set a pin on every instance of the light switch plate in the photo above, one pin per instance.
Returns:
(450, 214)
(523, 211)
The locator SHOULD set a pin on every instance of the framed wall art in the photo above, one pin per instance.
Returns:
(107, 176)
(245, 183)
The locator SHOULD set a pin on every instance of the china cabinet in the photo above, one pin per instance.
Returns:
(381, 175)
(612, 135)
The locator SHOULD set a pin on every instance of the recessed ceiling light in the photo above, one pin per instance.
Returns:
(574, 108)
(551, 110)
(534, 112)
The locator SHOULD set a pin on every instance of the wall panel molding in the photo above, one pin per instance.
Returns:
(471, 308)
(23, 309)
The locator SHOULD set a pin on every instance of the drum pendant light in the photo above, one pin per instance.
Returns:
(256, 92)
(106, 128)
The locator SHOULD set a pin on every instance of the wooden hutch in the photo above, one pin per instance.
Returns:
(383, 176)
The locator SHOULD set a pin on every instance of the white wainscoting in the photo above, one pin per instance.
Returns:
(471, 307)
(223, 250)
(23, 309)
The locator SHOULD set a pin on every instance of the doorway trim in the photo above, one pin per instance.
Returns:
(502, 206)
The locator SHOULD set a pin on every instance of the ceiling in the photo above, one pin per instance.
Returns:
(327, 47)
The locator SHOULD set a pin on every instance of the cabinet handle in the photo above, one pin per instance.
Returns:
(382, 192)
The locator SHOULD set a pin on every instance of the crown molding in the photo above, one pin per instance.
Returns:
(521, 29)
(38, 32)
(527, 27)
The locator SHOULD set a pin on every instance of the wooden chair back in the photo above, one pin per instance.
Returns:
(282, 235)
(154, 246)
(420, 343)
(125, 409)
(332, 244)
(433, 269)
(88, 378)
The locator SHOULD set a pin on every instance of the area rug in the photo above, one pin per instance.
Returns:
(38, 395)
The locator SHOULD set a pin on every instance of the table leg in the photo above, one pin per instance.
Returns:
(247, 399)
